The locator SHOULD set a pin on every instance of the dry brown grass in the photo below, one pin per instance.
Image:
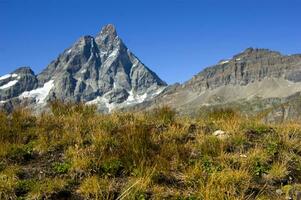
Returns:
(76, 153)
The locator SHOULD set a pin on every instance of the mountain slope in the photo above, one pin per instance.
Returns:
(100, 70)
(253, 75)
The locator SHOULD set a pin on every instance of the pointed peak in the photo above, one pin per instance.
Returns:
(108, 30)
(108, 39)
(24, 70)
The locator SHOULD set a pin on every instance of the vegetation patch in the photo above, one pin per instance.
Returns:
(75, 153)
(61, 168)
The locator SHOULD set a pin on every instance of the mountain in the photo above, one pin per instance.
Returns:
(12, 85)
(96, 70)
(101, 70)
(254, 80)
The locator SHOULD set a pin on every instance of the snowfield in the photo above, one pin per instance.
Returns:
(40, 94)
(9, 84)
(8, 76)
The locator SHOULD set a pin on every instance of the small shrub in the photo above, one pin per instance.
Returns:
(260, 168)
(257, 162)
(210, 166)
(61, 168)
(111, 167)
(273, 148)
(23, 187)
(20, 153)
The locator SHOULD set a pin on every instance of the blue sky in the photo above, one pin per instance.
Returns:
(175, 38)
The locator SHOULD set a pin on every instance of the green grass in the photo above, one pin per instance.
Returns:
(75, 153)
(61, 168)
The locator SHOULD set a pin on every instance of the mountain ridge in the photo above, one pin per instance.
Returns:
(101, 70)
(248, 76)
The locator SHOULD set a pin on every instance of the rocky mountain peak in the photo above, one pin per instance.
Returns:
(109, 30)
(17, 82)
(108, 39)
(256, 53)
(24, 70)
(100, 70)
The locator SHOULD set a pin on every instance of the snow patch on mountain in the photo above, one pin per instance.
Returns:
(9, 84)
(5, 77)
(134, 98)
(131, 100)
(102, 100)
(8, 76)
(40, 94)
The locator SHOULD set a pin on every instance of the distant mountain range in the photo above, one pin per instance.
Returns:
(101, 70)
(253, 81)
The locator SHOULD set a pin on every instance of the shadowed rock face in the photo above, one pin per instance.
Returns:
(99, 70)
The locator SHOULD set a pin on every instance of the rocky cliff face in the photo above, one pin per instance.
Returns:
(14, 84)
(100, 70)
(255, 75)
(247, 67)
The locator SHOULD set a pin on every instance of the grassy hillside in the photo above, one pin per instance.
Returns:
(74, 153)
